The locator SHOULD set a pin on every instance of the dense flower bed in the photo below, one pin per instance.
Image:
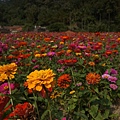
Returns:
(54, 76)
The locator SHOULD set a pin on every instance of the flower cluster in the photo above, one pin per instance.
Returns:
(110, 75)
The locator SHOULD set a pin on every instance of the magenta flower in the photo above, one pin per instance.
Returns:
(50, 54)
(34, 60)
(4, 88)
(112, 79)
(64, 118)
(36, 67)
(113, 86)
(112, 72)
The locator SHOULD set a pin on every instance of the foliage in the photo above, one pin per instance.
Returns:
(90, 15)
(28, 27)
(57, 27)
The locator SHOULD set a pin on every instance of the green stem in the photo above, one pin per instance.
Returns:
(36, 105)
(50, 115)
(73, 76)
(49, 110)
(11, 100)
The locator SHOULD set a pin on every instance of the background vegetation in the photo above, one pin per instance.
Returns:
(76, 15)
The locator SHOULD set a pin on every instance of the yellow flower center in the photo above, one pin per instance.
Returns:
(5, 87)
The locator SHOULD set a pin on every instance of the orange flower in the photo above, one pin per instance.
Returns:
(47, 39)
(60, 52)
(91, 63)
(64, 81)
(93, 78)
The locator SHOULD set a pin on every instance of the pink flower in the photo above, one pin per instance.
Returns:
(113, 86)
(112, 72)
(112, 79)
(105, 76)
(4, 88)
(50, 54)
(64, 118)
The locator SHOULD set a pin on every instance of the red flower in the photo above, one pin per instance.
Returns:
(3, 102)
(108, 52)
(64, 81)
(23, 111)
(67, 62)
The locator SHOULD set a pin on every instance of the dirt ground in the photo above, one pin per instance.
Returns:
(116, 109)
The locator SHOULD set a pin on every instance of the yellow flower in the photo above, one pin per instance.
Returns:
(55, 94)
(96, 56)
(3, 77)
(78, 54)
(61, 43)
(37, 55)
(7, 71)
(55, 46)
(68, 51)
(38, 46)
(37, 79)
(44, 54)
(72, 92)
(118, 39)
(103, 64)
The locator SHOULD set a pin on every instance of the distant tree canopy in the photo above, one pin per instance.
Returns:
(76, 15)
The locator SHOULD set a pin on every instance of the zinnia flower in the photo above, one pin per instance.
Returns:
(50, 54)
(112, 79)
(113, 86)
(37, 79)
(24, 111)
(93, 78)
(8, 71)
(4, 106)
(4, 88)
(105, 76)
(79, 84)
(55, 94)
(112, 72)
(64, 81)
(73, 91)
(91, 63)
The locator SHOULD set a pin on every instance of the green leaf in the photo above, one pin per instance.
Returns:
(96, 90)
(106, 114)
(118, 82)
(71, 107)
(94, 98)
(44, 115)
(93, 110)
(99, 117)
(82, 75)
(80, 61)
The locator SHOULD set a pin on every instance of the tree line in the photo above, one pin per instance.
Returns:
(61, 15)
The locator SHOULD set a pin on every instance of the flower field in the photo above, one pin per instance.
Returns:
(59, 75)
